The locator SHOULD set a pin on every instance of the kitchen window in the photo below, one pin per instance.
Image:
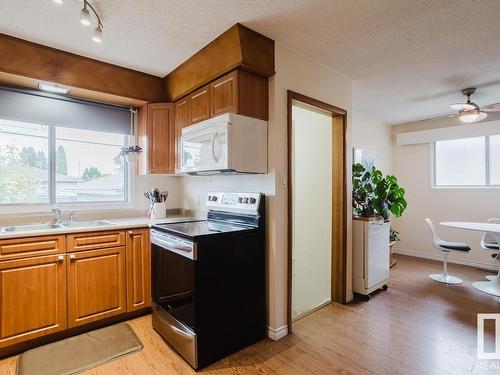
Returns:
(467, 162)
(52, 165)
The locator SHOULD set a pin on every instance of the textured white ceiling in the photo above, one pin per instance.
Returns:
(408, 58)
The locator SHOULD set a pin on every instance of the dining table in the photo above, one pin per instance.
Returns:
(492, 286)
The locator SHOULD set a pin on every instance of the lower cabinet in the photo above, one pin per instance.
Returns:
(97, 276)
(96, 285)
(138, 269)
(32, 298)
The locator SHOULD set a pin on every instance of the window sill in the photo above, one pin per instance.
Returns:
(465, 188)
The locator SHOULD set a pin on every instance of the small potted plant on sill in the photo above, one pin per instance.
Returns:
(130, 153)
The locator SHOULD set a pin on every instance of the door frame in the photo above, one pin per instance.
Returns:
(339, 198)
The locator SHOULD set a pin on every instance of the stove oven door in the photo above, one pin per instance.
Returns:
(173, 277)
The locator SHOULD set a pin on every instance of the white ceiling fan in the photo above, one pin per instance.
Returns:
(469, 111)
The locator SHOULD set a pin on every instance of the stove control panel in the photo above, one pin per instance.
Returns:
(234, 201)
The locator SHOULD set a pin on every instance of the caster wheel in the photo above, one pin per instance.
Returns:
(365, 297)
(385, 287)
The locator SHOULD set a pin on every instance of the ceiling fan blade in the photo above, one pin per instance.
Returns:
(438, 117)
(495, 107)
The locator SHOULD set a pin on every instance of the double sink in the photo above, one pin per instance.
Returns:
(55, 225)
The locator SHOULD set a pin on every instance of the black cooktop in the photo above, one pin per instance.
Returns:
(194, 229)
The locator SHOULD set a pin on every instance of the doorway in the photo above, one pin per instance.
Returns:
(316, 205)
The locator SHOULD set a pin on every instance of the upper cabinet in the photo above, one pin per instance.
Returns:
(199, 104)
(236, 92)
(224, 92)
(156, 136)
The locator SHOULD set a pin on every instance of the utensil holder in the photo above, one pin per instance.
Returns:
(159, 211)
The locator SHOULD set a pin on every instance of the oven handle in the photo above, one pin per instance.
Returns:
(171, 245)
(168, 245)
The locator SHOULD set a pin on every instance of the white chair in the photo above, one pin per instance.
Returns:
(489, 242)
(445, 247)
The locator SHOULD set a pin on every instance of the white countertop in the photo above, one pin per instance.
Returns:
(126, 223)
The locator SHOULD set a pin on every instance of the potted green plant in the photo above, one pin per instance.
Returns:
(376, 195)
(130, 153)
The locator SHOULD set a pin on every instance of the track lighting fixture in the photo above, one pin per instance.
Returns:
(86, 19)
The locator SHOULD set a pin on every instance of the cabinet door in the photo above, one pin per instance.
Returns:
(138, 269)
(182, 119)
(32, 298)
(199, 102)
(155, 135)
(96, 285)
(224, 94)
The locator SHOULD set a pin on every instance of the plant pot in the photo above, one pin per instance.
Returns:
(131, 157)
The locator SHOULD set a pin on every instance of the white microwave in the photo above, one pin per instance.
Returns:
(226, 144)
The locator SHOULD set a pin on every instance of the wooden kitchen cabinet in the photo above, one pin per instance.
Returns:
(138, 261)
(199, 103)
(16, 248)
(156, 136)
(32, 298)
(224, 92)
(96, 285)
(182, 119)
(240, 92)
(95, 240)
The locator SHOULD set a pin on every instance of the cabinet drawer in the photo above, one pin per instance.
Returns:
(95, 240)
(31, 246)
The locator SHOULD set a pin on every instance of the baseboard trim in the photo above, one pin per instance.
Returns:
(276, 334)
(471, 263)
(349, 297)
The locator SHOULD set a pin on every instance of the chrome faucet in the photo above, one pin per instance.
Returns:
(72, 215)
(58, 214)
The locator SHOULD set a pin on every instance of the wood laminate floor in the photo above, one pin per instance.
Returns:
(416, 327)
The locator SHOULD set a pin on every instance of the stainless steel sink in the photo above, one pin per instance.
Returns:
(46, 226)
(86, 223)
(29, 227)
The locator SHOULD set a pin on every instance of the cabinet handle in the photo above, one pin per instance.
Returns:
(130, 232)
(60, 258)
(72, 256)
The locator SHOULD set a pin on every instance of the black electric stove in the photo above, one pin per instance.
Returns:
(208, 279)
(195, 229)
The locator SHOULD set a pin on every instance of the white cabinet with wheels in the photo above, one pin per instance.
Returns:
(370, 254)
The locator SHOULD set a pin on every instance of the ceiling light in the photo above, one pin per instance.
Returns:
(58, 1)
(472, 116)
(52, 87)
(85, 15)
(97, 34)
(85, 19)
(463, 106)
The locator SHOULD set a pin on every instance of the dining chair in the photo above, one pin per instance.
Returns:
(445, 247)
(489, 242)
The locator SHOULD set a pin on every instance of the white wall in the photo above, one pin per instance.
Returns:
(312, 209)
(412, 167)
(169, 183)
(301, 74)
(372, 134)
